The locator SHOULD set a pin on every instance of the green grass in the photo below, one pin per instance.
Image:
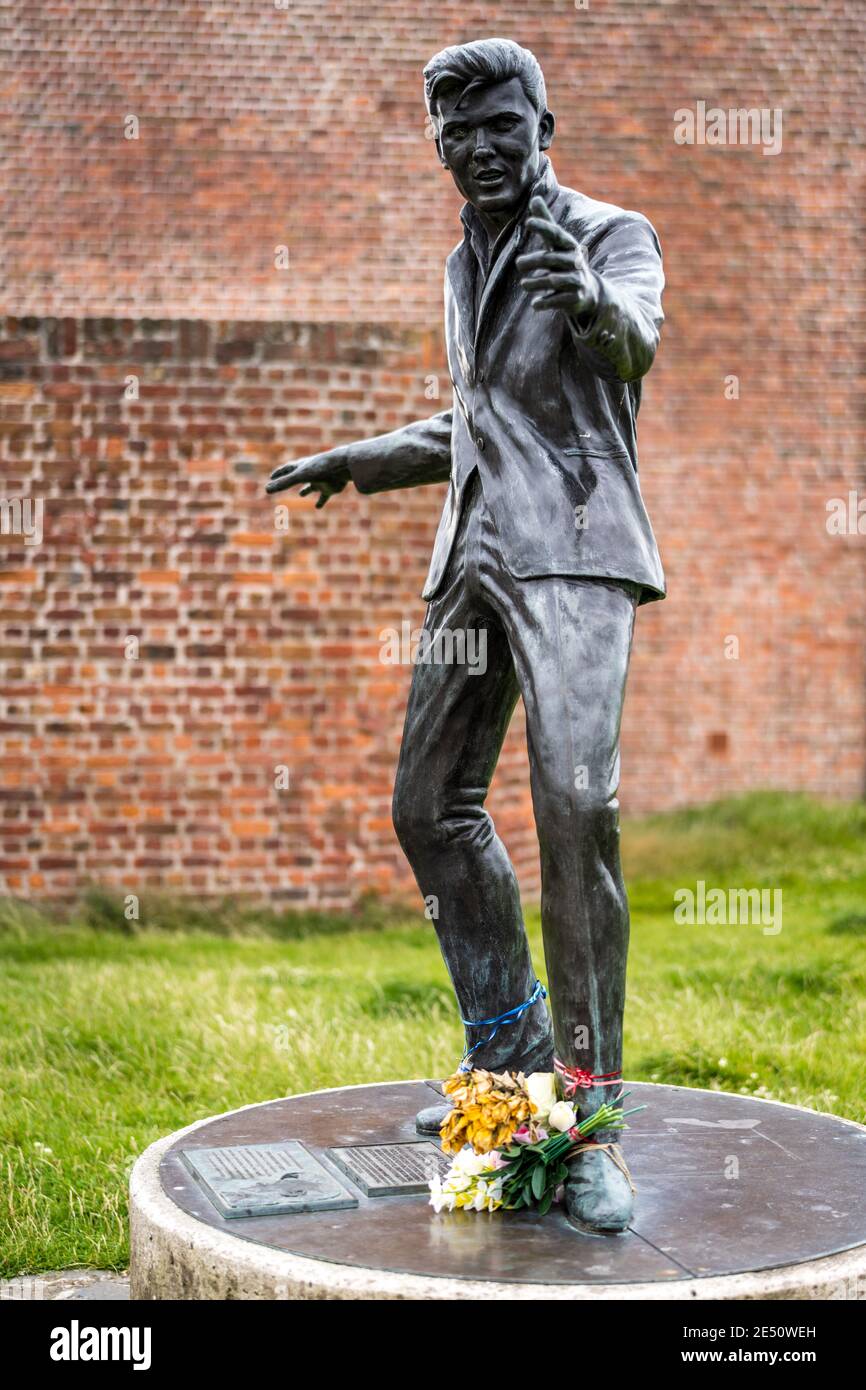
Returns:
(114, 1033)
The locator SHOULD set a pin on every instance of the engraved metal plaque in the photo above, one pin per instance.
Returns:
(266, 1179)
(391, 1170)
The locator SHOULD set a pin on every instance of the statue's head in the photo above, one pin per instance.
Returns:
(488, 105)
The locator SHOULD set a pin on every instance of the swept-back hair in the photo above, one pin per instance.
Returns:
(466, 66)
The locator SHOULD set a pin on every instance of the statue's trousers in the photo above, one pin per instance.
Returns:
(562, 644)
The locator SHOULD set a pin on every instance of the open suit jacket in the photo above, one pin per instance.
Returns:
(544, 406)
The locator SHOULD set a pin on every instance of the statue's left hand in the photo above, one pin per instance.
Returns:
(558, 276)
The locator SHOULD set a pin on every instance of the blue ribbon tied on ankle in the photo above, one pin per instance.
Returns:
(510, 1016)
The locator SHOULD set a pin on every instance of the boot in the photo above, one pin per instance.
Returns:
(431, 1119)
(599, 1193)
(599, 1196)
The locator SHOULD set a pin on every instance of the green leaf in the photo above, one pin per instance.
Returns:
(546, 1202)
(539, 1181)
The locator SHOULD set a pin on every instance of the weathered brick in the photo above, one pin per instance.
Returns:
(163, 770)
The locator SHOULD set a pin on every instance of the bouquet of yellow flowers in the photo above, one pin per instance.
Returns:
(504, 1153)
(488, 1109)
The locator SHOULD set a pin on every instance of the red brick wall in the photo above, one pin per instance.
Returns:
(258, 645)
(262, 127)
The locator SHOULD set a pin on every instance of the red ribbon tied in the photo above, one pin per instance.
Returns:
(577, 1078)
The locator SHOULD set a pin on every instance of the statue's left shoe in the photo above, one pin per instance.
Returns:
(599, 1193)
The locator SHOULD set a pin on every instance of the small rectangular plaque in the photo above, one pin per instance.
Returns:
(266, 1179)
(391, 1170)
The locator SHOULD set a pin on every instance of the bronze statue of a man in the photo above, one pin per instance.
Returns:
(552, 318)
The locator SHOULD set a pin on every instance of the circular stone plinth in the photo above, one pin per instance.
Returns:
(736, 1198)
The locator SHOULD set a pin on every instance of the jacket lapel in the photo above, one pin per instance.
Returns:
(461, 273)
(500, 265)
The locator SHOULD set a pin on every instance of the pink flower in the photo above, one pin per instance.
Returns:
(523, 1135)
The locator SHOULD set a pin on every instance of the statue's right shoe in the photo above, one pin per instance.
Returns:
(431, 1119)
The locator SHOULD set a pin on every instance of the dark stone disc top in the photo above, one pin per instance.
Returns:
(725, 1184)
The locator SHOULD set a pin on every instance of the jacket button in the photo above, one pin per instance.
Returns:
(480, 442)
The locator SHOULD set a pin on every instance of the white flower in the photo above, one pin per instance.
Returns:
(541, 1086)
(439, 1199)
(488, 1195)
(457, 1182)
(469, 1163)
(463, 1187)
(466, 1190)
(562, 1116)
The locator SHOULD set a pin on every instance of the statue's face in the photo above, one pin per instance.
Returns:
(492, 142)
